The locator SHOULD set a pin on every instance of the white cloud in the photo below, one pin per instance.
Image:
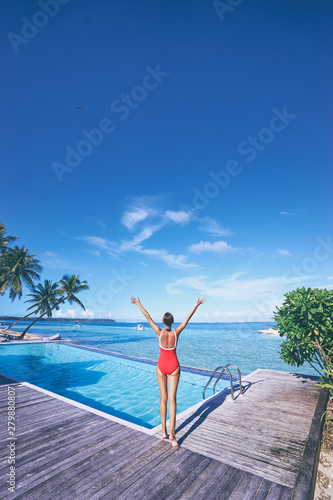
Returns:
(51, 254)
(271, 288)
(98, 242)
(217, 247)
(74, 313)
(95, 252)
(329, 277)
(211, 226)
(195, 282)
(179, 217)
(52, 260)
(131, 219)
(69, 313)
(281, 251)
(97, 221)
(146, 233)
(174, 261)
(87, 314)
(298, 213)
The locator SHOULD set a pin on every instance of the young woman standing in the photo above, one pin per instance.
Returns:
(168, 366)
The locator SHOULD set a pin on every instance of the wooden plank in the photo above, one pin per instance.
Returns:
(186, 483)
(241, 487)
(98, 477)
(60, 472)
(193, 491)
(252, 488)
(278, 492)
(62, 480)
(154, 479)
(249, 449)
(227, 482)
(175, 481)
(263, 490)
(208, 484)
(275, 445)
(306, 480)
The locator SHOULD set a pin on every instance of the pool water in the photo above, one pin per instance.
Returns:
(201, 345)
(113, 384)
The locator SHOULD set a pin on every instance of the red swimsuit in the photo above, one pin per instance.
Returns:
(167, 361)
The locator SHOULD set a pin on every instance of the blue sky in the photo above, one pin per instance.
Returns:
(200, 163)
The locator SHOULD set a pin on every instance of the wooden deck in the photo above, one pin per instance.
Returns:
(252, 448)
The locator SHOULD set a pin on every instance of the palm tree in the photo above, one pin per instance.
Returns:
(69, 286)
(44, 297)
(18, 268)
(5, 240)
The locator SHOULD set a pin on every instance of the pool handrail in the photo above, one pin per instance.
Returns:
(224, 368)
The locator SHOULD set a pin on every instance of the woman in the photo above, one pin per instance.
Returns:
(168, 364)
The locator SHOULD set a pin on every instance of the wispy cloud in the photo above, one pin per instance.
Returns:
(213, 227)
(194, 282)
(97, 221)
(298, 213)
(282, 251)
(237, 290)
(174, 261)
(286, 213)
(52, 260)
(144, 218)
(145, 234)
(94, 252)
(220, 247)
(131, 218)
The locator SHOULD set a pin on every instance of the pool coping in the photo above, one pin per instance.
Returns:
(127, 423)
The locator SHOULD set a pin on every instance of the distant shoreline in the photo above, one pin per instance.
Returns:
(72, 320)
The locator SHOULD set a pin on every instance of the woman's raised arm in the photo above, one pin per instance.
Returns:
(152, 323)
(181, 327)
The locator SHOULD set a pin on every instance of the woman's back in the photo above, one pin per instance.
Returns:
(168, 339)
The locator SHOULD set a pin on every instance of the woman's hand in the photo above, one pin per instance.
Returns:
(135, 301)
(201, 301)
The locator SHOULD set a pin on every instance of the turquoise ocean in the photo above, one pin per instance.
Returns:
(201, 345)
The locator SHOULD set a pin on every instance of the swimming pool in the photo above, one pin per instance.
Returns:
(114, 384)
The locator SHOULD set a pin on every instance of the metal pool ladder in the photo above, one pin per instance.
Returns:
(224, 368)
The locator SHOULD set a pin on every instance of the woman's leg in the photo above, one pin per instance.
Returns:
(173, 385)
(162, 383)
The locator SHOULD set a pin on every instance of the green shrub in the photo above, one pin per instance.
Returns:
(306, 320)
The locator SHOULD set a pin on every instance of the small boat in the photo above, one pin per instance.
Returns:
(139, 327)
(55, 337)
(269, 331)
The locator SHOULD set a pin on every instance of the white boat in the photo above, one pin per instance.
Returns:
(55, 337)
(269, 331)
(139, 327)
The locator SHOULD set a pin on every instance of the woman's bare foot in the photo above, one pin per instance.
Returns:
(174, 441)
(164, 435)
